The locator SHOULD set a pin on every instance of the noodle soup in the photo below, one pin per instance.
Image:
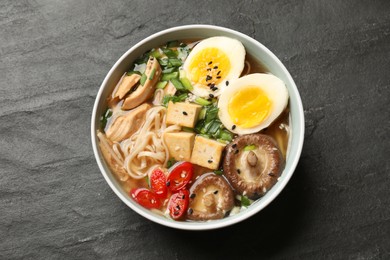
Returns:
(197, 130)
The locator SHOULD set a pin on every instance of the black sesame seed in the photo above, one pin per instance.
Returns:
(209, 84)
(212, 85)
(210, 161)
(211, 95)
(234, 145)
(178, 207)
(192, 195)
(238, 171)
(168, 183)
(219, 72)
(190, 211)
(185, 113)
(218, 77)
(215, 67)
(236, 151)
(233, 127)
(208, 78)
(215, 88)
(227, 83)
(216, 192)
(208, 69)
(210, 62)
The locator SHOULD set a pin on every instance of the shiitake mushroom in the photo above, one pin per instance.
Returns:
(253, 171)
(211, 197)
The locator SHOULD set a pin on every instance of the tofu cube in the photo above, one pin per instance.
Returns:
(207, 152)
(183, 114)
(180, 145)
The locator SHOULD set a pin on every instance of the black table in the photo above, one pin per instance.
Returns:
(54, 201)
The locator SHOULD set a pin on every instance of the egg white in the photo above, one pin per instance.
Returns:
(273, 87)
(235, 52)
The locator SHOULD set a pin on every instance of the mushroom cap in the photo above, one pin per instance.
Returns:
(252, 173)
(211, 197)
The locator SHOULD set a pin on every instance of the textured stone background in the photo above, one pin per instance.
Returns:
(55, 203)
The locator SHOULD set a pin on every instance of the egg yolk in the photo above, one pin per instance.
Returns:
(209, 66)
(249, 107)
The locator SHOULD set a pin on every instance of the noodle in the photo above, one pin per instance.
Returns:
(146, 148)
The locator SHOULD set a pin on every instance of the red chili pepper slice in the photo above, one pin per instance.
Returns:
(178, 204)
(146, 198)
(179, 176)
(158, 183)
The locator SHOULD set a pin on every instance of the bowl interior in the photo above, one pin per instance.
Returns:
(258, 51)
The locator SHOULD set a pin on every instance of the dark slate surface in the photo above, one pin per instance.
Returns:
(54, 201)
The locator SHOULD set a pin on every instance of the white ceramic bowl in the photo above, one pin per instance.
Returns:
(256, 49)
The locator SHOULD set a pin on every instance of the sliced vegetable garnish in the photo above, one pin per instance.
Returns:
(218, 172)
(245, 202)
(170, 53)
(163, 62)
(250, 147)
(104, 118)
(169, 76)
(179, 176)
(226, 135)
(152, 74)
(173, 44)
(145, 198)
(169, 70)
(187, 129)
(143, 79)
(158, 182)
(155, 53)
(129, 73)
(202, 102)
(175, 62)
(178, 204)
(174, 99)
(161, 84)
(187, 84)
(177, 84)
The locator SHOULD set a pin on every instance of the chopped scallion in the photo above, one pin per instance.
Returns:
(129, 73)
(177, 84)
(143, 79)
(187, 129)
(161, 84)
(245, 202)
(202, 102)
(218, 172)
(170, 53)
(225, 135)
(187, 84)
(169, 76)
(151, 76)
(171, 44)
(202, 113)
(175, 62)
(249, 147)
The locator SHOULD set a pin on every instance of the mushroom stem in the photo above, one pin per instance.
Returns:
(252, 159)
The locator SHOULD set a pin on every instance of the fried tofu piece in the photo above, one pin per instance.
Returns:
(183, 114)
(180, 145)
(207, 152)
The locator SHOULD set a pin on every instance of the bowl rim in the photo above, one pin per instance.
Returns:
(215, 223)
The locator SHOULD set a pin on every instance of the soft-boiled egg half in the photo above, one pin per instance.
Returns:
(251, 103)
(212, 63)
